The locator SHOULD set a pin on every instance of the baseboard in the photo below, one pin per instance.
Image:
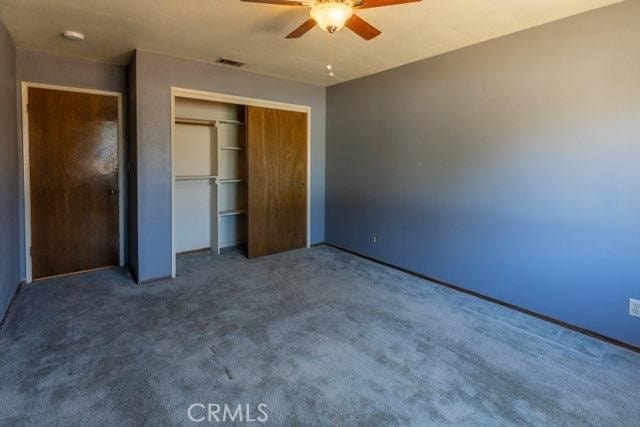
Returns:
(458, 288)
(12, 301)
(152, 280)
(74, 273)
(232, 244)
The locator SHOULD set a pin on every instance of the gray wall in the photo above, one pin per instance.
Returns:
(132, 219)
(39, 67)
(511, 168)
(157, 74)
(9, 274)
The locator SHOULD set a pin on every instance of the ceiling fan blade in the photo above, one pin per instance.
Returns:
(302, 29)
(362, 28)
(278, 2)
(368, 4)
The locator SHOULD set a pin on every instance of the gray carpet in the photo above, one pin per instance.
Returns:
(320, 336)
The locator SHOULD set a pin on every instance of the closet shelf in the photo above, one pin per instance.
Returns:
(230, 180)
(203, 122)
(194, 177)
(231, 122)
(232, 212)
(197, 122)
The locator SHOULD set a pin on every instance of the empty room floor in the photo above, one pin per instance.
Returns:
(318, 335)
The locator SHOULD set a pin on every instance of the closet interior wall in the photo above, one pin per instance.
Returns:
(210, 175)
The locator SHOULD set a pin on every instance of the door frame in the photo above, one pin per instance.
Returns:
(26, 166)
(178, 92)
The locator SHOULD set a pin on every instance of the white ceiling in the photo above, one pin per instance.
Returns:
(253, 33)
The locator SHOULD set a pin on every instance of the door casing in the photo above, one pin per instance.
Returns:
(26, 167)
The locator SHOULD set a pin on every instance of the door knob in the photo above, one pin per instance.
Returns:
(112, 192)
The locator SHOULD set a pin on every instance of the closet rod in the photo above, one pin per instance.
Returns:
(202, 122)
(195, 177)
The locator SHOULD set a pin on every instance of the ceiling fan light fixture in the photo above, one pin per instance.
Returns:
(331, 16)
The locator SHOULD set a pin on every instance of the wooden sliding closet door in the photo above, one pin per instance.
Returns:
(277, 180)
(73, 161)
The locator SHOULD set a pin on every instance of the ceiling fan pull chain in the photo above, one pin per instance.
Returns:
(330, 67)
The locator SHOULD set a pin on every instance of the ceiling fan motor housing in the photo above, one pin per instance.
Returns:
(332, 15)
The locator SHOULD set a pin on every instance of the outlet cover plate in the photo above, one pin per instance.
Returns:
(634, 307)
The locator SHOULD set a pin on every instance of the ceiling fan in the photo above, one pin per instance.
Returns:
(333, 15)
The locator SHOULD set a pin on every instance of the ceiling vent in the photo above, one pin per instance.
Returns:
(230, 62)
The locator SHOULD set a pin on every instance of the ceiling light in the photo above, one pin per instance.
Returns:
(73, 35)
(331, 16)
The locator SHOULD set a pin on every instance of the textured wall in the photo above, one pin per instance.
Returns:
(9, 262)
(157, 74)
(40, 67)
(510, 168)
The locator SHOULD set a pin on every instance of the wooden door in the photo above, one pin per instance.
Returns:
(277, 180)
(73, 162)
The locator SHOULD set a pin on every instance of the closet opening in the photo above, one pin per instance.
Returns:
(240, 175)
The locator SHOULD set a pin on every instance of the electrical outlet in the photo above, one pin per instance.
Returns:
(374, 239)
(634, 307)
